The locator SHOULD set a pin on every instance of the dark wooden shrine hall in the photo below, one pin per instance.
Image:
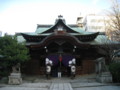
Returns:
(69, 41)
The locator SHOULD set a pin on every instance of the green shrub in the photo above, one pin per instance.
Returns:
(115, 71)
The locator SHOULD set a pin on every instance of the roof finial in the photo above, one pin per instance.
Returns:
(60, 17)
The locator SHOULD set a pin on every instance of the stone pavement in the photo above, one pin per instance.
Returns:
(22, 88)
(87, 82)
(61, 86)
(100, 88)
(26, 86)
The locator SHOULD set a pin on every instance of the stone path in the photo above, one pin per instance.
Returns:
(27, 86)
(87, 82)
(22, 88)
(61, 86)
(95, 86)
(99, 88)
(38, 86)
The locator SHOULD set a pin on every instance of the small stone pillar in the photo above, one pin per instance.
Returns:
(15, 76)
(104, 77)
(15, 79)
(103, 74)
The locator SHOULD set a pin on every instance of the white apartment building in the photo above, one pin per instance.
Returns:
(94, 23)
(98, 23)
(80, 21)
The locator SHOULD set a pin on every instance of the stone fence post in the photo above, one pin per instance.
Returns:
(103, 74)
(15, 76)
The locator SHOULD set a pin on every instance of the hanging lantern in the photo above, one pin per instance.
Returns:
(60, 58)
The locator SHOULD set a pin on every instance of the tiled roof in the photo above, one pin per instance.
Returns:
(43, 28)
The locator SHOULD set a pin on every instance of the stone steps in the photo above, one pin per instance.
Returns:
(61, 86)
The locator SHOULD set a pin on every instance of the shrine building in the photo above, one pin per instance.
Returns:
(61, 43)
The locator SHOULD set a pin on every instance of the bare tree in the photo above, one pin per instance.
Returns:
(113, 25)
(109, 48)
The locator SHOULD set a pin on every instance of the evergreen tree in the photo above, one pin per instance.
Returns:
(12, 51)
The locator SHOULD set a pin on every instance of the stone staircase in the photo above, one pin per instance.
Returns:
(61, 86)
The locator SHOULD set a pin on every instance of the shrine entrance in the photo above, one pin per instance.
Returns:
(60, 53)
(60, 64)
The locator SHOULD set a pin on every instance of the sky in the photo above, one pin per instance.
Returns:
(24, 15)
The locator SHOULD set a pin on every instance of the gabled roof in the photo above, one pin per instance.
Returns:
(47, 29)
(41, 28)
(62, 23)
(44, 32)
